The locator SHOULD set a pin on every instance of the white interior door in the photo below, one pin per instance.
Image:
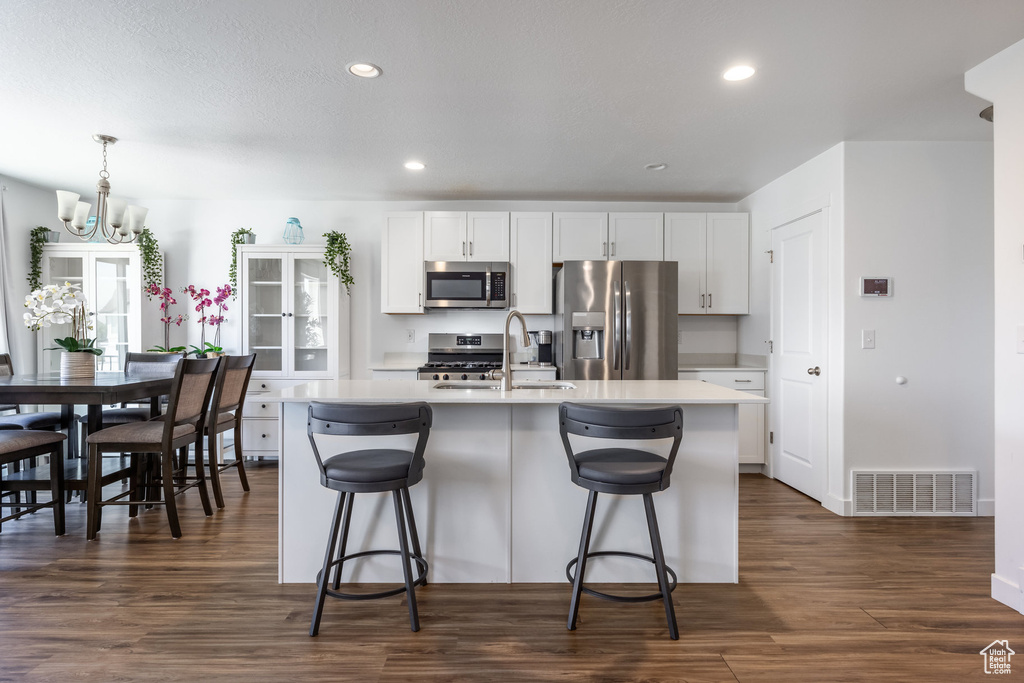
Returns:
(799, 409)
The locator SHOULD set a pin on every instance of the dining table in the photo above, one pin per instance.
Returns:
(105, 388)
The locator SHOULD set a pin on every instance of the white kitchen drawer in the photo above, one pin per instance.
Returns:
(256, 408)
(741, 380)
(259, 435)
(256, 384)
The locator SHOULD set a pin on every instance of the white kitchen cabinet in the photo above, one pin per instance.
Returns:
(636, 236)
(401, 263)
(465, 236)
(580, 237)
(751, 415)
(111, 279)
(713, 253)
(296, 322)
(530, 241)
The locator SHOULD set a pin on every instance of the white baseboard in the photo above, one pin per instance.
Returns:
(1007, 592)
(986, 507)
(839, 506)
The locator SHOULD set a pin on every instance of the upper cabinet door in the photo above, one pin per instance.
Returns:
(580, 237)
(728, 263)
(444, 236)
(530, 235)
(401, 263)
(263, 285)
(487, 236)
(685, 243)
(636, 236)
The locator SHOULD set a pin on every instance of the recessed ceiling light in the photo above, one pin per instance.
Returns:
(738, 73)
(656, 167)
(415, 165)
(364, 69)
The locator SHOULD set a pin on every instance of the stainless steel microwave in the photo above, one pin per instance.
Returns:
(458, 284)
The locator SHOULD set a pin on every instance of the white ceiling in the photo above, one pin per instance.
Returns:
(502, 99)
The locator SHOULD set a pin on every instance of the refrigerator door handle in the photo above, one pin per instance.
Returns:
(616, 324)
(629, 327)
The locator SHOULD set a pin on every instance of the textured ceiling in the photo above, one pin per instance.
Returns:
(502, 99)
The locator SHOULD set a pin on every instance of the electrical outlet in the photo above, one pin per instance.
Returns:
(867, 339)
(410, 336)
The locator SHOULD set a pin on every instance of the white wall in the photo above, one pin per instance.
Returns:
(921, 213)
(25, 207)
(815, 185)
(999, 81)
(194, 237)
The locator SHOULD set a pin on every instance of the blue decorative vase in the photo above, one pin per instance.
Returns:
(293, 232)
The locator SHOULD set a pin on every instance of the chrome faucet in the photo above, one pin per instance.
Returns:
(506, 370)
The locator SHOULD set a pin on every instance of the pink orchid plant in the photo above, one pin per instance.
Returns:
(202, 299)
(166, 301)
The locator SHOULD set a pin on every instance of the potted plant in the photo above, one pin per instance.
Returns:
(59, 305)
(37, 238)
(240, 236)
(166, 301)
(338, 257)
(203, 301)
(152, 262)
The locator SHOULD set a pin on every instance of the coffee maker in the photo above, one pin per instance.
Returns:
(540, 348)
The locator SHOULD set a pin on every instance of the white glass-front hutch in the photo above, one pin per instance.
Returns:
(295, 318)
(111, 278)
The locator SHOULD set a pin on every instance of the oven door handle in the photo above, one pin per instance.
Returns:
(487, 285)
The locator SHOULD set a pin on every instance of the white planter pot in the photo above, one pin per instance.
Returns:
(77, 365)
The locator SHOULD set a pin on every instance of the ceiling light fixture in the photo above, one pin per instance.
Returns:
(109, 212)
(738, 73)
(415, 165)
(364, 69)
(656, 167)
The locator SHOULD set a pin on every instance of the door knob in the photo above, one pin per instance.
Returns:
(814, 371)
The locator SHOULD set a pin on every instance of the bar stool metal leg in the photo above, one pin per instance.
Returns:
(323, 578)
(411, 521)
(414, 618)
(581, 560)
(346, 520)
(659, 566)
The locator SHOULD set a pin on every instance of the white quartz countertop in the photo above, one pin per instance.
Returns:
(629, 391)
(724, 367)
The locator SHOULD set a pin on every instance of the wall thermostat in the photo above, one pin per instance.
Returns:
(876, 286)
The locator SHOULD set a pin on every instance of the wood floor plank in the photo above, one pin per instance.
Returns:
(820, 598)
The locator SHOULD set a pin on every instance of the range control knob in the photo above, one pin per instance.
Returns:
(445, 377)
(465, 377)
(483, 376)
(436, 376)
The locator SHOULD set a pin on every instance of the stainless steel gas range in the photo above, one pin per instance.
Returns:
(461, 356)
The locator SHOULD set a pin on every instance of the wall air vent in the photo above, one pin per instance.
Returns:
(915, 493)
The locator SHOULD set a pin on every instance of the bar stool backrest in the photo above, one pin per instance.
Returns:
(229, 392)
(621, 423)
(355, 419)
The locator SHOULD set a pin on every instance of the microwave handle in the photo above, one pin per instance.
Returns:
(487, 285)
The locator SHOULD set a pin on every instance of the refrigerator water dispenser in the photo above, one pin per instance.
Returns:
(588, 335)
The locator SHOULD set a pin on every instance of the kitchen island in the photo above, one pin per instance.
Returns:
(496, 503)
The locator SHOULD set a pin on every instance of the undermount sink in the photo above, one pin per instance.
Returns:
(529, 384)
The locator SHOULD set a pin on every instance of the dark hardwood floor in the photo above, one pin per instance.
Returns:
(820, 598)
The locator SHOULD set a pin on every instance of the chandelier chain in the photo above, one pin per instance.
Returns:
(103, 173)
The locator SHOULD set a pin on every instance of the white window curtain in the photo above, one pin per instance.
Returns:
(5, 284)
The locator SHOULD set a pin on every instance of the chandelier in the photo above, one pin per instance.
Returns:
(110, 213)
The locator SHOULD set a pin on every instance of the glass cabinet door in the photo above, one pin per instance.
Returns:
(59, 270)
(111, 304)
(310, 321)
(264, 276)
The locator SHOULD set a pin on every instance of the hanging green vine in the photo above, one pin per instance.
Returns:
(237, 237)
(337, 257)
(36, 240)
(152, 261)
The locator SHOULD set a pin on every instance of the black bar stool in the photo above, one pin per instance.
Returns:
(370, 471)
(622, 471)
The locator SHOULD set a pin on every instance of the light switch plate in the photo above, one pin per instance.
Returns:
(867, 339)
(410, 336)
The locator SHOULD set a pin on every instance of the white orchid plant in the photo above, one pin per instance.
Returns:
(60, 305)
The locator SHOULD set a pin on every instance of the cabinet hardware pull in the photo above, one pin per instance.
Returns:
(702, 301)
(470, 248)
(282, 314)
(613, 249)
(709, 300)
(263, 436)
(513, 299)
(289, 315)
(263, 405)
(463, 248)
(419, 299)
(743, 380)
(604, 248)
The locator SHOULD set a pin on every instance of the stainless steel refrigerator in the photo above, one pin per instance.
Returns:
(616, 320)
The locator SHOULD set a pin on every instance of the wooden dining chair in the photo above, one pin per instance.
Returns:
(20, 420)
(28, 444)
(226, 415)
(181, 426)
